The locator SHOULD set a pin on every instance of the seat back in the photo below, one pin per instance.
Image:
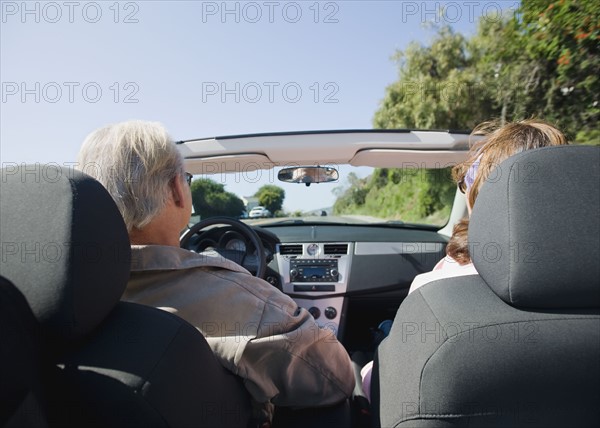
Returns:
(108, 363)
(21, 401)
(518, 344)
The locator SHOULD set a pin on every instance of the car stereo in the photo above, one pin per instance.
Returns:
(314, 270)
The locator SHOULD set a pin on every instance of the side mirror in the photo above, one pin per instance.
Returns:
(308, 174)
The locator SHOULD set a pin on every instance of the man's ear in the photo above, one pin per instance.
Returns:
(177, 191)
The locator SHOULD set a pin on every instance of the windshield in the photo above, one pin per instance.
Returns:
(359, 195)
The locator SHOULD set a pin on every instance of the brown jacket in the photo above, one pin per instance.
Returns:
(256, 331)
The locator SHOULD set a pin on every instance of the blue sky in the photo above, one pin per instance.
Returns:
(201, 68)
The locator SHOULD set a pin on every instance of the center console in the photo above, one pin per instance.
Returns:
(315, 275)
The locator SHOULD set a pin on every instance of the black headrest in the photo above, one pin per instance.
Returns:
(64, 245)
(534, 233)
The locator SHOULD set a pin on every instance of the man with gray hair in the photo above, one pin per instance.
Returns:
(256, 331)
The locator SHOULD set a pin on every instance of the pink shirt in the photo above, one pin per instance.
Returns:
(445, 268)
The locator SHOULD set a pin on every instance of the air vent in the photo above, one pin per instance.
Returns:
(336, 248)
(290, 250)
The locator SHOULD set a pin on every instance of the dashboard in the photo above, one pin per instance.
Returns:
(349, 277)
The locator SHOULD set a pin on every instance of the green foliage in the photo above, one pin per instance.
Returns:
(436, 88)
(589, 138)
(271, 197)
(543, 62)
(503, 77)
(563, 38)
(210, 199)
(409, 195)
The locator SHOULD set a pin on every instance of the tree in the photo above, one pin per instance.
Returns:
(271, 197)
(436, 88)
(418, 195)
(351, 198)
(562, 36)
(506, 80)
(210, 199)
(541, 61)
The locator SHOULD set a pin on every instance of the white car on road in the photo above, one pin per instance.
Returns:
(259, 212)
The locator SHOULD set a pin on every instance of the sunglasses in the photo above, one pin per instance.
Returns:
(188, 178)
(462, 186)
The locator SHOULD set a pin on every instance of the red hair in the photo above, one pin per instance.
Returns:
(500, 143)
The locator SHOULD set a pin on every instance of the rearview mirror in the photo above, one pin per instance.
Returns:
(308, 174)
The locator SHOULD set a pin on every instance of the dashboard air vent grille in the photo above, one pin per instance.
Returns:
(336, 248)
(295, 249)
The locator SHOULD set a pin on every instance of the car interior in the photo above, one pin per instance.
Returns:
(350, 274)
(516, 345)
(85, 358)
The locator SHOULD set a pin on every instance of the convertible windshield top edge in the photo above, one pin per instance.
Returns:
(329, 131)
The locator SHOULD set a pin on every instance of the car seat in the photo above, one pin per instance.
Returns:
(519, 343)
(105, 362)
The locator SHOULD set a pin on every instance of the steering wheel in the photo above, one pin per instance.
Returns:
(255, 263)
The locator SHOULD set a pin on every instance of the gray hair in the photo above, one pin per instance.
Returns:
(135, 161)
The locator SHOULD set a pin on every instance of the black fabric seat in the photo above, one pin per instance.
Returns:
(106, 363)
(518, 344)
(21, 400)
